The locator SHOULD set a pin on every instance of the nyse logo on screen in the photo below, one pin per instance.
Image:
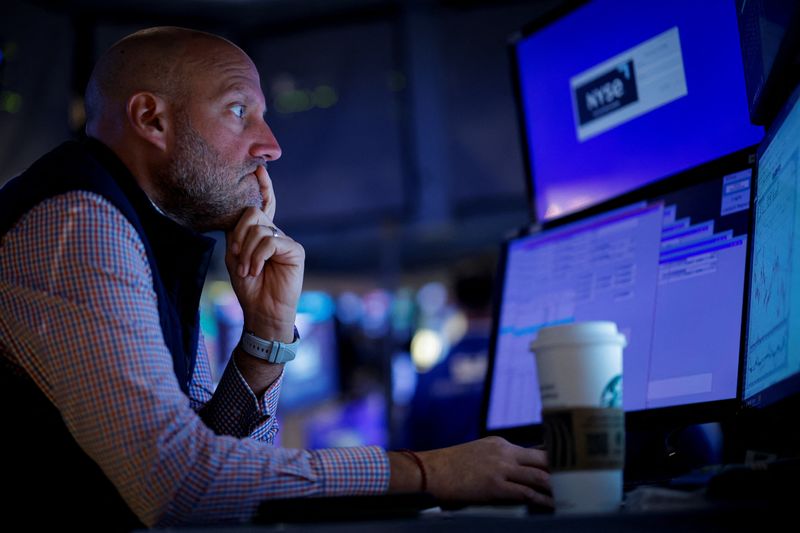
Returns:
(606, 93)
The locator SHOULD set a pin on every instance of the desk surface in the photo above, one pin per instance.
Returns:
(729, 518)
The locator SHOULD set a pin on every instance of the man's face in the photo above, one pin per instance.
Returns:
(220, 138)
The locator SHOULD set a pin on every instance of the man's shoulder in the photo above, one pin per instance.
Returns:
(77, 231)
(67, 167)
(77, 215)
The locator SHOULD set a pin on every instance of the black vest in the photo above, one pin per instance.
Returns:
(46, 476)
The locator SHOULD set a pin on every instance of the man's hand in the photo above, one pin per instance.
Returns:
(266, 270)
(485, 470)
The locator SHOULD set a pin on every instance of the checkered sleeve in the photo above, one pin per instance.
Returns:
(201, 388)
(235, 410)
(78, 313)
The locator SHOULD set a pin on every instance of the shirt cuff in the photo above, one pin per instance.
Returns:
(352, 471)
(235, 410)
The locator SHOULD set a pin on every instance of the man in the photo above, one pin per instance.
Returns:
(101, 267)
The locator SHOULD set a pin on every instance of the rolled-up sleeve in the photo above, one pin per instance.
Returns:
(79, 314)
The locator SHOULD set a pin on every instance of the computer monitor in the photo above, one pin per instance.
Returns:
(614, 94)
(772, 356)
(667, 264)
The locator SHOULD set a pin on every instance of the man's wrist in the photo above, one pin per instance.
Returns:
(258, 374)
(406, 474)
(281, 331)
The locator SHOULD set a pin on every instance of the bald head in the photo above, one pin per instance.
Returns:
(158, 60)
(184, 112)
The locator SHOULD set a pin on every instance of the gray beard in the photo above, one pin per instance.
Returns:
(198, 189)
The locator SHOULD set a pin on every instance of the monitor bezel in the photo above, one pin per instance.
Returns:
(645, 419)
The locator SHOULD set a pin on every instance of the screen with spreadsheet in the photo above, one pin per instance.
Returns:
(668, 267)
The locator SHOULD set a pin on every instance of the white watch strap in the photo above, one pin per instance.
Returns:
(270, 351)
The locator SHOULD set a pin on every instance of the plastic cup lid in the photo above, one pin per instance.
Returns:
(594, 332)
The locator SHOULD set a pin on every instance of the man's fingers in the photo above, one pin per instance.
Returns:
(536, 497)
(265, 249)
(261, 244)
(267, 192)
(257, 246)
(533, 457)
(531, 477)
(250, 218)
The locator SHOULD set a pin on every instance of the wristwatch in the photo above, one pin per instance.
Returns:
(270, 351)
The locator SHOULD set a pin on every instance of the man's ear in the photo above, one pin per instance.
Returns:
(149, 119)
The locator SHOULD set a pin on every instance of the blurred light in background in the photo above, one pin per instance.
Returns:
(414, 329)
(427, 348)
(455, 327)
(377, 304)
(77, 113)
(319, 305)
(313, 376)
(404, 378)
(324, 97)
(361, 422)
(10, 101)
(289, 99)
(222, 325)
(402, 313)
(349, 308)
(432, 298)
(293, 102)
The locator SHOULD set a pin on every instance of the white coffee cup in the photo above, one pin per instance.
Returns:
(579, 367)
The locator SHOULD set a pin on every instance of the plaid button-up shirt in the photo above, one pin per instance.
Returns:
(78, 313)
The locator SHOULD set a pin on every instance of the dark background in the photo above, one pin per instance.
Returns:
(396, 118)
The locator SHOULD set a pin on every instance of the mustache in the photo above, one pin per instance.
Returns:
(250, 168)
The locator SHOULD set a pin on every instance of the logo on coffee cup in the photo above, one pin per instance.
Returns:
(612, 393)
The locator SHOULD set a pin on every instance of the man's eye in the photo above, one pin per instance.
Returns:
(239, 110)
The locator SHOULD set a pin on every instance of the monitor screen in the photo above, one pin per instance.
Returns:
(620, 93)
(772, 357)
(666, 263)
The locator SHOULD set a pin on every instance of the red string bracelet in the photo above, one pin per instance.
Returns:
(420, 465)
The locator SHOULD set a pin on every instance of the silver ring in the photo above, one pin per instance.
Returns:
(274, 231)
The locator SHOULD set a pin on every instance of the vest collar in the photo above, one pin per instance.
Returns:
(171, 241)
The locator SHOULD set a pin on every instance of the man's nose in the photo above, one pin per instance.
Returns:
(266, 145)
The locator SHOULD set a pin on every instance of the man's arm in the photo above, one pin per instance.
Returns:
(76, 302)
(478, 471)
(266, 270)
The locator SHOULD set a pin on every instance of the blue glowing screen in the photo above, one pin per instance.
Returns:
(668, 270)
(620, 93)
